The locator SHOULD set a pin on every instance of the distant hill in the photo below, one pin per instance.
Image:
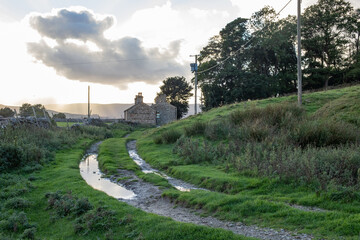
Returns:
(79, 110)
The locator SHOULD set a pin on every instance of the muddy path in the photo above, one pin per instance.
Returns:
(148, 198)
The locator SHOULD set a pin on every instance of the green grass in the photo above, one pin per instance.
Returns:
(113, 156)
(255, 210)
(245, 196)
(63, 175)
(66, 124)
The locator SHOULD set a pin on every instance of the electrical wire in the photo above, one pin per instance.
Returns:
(115, 61)
(243, 47)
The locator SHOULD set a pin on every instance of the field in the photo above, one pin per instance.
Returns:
(267, 162)
(263, 159)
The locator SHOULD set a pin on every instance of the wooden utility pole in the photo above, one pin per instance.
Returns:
(88, 102)
(195, 70)
(299, 73)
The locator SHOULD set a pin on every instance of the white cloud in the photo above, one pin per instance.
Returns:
(162, 24)
(83, 53)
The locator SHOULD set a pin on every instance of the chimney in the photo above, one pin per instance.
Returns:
(139, 98)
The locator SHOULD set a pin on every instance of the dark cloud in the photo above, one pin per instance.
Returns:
(117, 62)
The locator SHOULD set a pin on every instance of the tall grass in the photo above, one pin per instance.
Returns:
(279, 141)
(23, 150)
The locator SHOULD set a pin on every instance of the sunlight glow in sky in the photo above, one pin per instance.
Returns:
(52, 50)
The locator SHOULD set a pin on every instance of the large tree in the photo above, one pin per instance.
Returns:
(325, 35)
(220, 85)
(178, 92)
(254, 58)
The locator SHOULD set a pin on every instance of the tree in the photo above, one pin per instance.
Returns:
(59, 116)
(6, 112)
(178, 92)
(26, 110)
(254, 58)
(325, 34)
(218, 83)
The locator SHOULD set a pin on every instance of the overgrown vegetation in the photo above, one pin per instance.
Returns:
(261, 157)
(54, 202)
(24, 150)
(279, 141)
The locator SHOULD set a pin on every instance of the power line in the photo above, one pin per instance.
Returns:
(243, 47)
(114, 61)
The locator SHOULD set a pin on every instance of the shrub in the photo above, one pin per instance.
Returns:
(11, 156)
(321, 133)
(67, 204)
(218, 130)
(169, 136)
(16, 222)
(29, 233)
(17, 203)
(99, 219)
(194, 151)
(157, 139)
(82, 206)
(279, 115)
(197, 128)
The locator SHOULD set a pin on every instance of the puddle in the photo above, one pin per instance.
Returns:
(146, 168)
(90, 172)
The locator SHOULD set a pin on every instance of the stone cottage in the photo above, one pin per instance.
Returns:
(140, 112)
(157, 114)
(165, 112)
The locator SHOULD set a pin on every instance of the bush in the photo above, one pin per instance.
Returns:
(169, 136)
(82, 206)
(99, 219)
(321, 133)
(194, 151)
(197, 128)
(29, 233)
(280, 115)
(17, 203)
(11, 156)
(219, 130)
(67, 204)
(16, 222)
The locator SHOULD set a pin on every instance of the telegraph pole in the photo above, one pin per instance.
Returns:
(299, 73)
(194, 68)
(88, 102)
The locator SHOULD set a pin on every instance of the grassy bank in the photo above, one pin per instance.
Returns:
(54, 202)
(113, 155)
(129, 223)
(261, 157)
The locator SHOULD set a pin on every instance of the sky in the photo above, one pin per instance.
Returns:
(51, 50)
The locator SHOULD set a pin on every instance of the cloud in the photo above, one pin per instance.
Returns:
(83, 53)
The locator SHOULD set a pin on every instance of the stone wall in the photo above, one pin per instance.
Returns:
(141, 113)
(166, 113)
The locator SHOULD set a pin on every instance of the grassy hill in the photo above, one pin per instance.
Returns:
(266, 162)
(261, 157)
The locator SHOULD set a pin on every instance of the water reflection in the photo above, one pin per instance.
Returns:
(146, 168)
(89, 170)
